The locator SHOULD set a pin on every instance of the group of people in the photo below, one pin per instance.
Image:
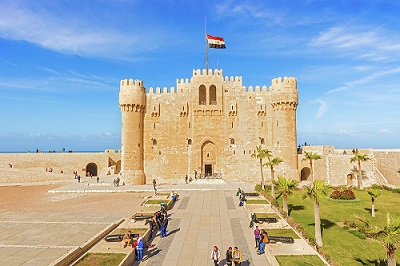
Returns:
(160, 219)
(137, 244)
(242, 196)
(261, 238)
(234, 256)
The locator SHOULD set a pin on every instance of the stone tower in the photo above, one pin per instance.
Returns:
(284, 103)
(132, 101)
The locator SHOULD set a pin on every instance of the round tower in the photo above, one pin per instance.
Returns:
(284, 102)
(132, 101)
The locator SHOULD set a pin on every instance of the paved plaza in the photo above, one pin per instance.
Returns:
(207, 213)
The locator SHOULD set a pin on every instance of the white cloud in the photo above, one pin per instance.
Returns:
(369, 43)
(355, 84)
(67, 33)
(323, 107)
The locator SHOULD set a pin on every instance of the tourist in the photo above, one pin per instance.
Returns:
(257, 234)
(237, 257)
(229, 256)
(164, 225)
(154, 186)
(173, 196)
(98, 179)
(127, 239)
(195, 174)
(186, 179)
(238, 192)
(253, 220)
(263, 241)
(139, 248)
(215, 255)
(79, 178)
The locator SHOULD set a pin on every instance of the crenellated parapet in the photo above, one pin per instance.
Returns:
(284, 93)
(132, 95)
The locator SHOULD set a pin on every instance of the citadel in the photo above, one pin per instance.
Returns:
(210, 125)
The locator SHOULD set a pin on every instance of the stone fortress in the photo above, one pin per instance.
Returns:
(211, 125)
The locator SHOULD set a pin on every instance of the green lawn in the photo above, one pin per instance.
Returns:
(101, 259)
(267, 215)
(257, 202)
(282, 232)
(304, 260)
(343, 247)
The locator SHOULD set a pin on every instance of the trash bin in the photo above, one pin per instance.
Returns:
(163, 206)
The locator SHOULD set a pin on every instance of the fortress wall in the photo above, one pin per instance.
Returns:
(31, 167)
(388, 163)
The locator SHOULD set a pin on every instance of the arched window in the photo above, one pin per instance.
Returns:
(232, 141)
(202, 95)
(189, 142)
(213, 95)
(154, 142)
(262, 141)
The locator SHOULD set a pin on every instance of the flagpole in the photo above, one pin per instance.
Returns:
(205, 35)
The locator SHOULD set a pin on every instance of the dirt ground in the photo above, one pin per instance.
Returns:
(37, 199)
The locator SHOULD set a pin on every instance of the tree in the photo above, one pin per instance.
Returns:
(359, 158)
(373, 194)
(311, 156)
(315, 192)
(261, 154)
(272, 163)
(388, 235)
(285, 187)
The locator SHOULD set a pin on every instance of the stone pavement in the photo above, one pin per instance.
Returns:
(200, 220)
(39, 239)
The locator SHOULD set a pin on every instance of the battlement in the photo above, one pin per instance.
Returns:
(131, 82)
(203, 72)
(287, 82)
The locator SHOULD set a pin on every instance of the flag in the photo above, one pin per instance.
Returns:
(215, 42)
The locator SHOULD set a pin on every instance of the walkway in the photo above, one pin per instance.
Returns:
(200, 220)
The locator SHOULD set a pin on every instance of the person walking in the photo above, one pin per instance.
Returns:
(253, 220)
(237, 257)
(215, 255)
(186, 179)
(154, 186)
(229, 256)
(257, 234)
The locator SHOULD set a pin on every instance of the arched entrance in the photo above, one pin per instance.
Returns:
(92, 168)
(118, 167)
(208, 158)
(305, 173)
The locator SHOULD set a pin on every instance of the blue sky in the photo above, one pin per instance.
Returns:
(61, 63)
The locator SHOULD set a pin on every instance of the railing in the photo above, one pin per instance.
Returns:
(210, 176)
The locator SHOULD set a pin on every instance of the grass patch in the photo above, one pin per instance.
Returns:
(140, 231)
(156, 202)
(267, 215)
(303, 260)
(101, 259)
(357, 234)
(257, 202)
(340, 245)
(282, 232)
(343, 200)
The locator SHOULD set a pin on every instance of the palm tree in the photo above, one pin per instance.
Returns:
(359, 158)
(315, 192)
(373, 194)
(285, 187)
(311, 156)
(271, 163)
(389, 235)
(261, 154)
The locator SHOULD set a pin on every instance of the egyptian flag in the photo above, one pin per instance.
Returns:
(215, 42)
